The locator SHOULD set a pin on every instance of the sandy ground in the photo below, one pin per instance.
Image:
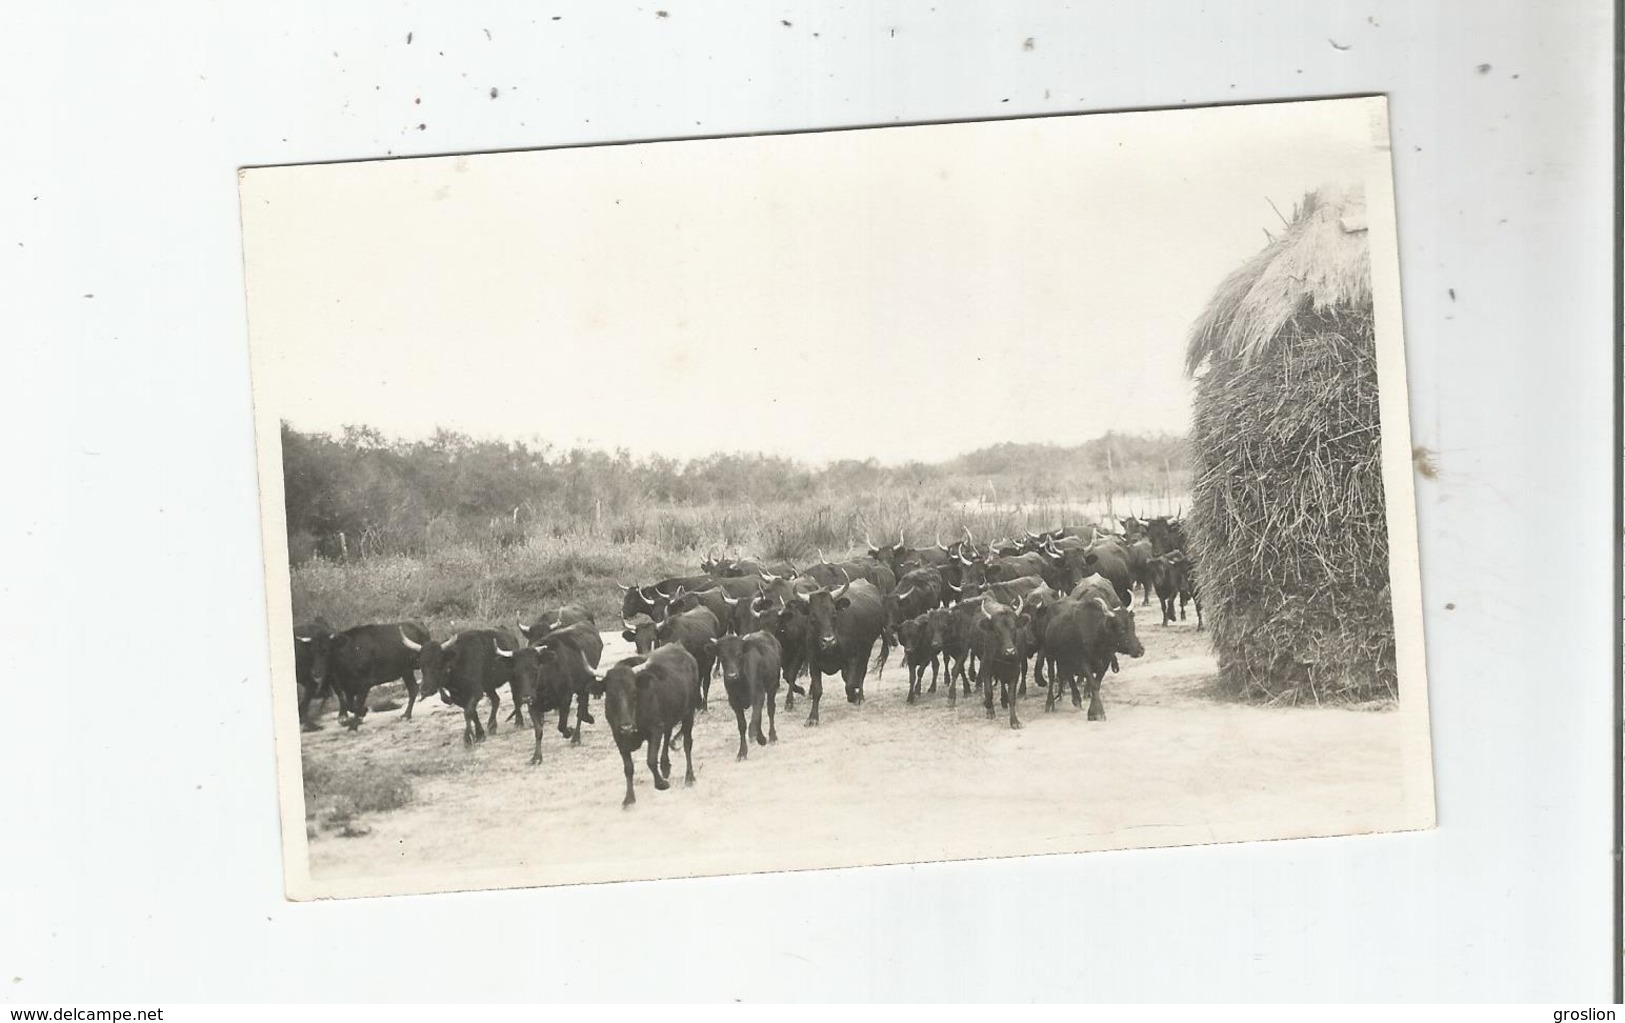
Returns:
(882, 783)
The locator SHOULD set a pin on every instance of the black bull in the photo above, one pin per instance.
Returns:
(842, 627)
(645, 700)
(465, 668)
(355, 660)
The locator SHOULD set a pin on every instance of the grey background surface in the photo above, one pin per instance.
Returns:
(142, 859)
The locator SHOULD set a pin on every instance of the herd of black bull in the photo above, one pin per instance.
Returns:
(1056, 601)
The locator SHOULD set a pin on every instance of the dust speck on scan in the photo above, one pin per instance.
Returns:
(806, 471)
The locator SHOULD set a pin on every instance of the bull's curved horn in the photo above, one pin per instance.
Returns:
(821, 559)
(682, 591)
(1103, 605)
(985, 612)
(1021, 602)
(940, 547)
(961, 557)
(901, 534)
(768, 577)
(501, 652)
(645, 596)
(842, 591)
(407, 642)
(760, 603)
(868, 542)
(731, 603)
(951, 586)
(905, 594)
(623, 589)
(303, 639)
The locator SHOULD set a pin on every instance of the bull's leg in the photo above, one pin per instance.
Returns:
(815, 691)
(688, 750)
(626, 762)
(584, 709)
(358, 707)
(935, 658)
(536, 728)
(1077, 701)
(410, 682)
(496, 704)
(665, 752)
(1198, 602)
(306, 697)
(564, 719)
(705, 683)
(1049, 697)
(988, 684)
(1015, 722)
(581, 715)
(471, 720)
(913, 679)
(654, 762)
(756, 699)
(1096, 711)
(744, 747)
(856, 673)
(772, 715)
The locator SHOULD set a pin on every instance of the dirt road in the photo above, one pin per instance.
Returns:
(882, 783)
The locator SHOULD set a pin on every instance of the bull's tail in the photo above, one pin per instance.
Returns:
(885, 652)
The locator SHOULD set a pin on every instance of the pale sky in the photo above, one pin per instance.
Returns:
(896, 293)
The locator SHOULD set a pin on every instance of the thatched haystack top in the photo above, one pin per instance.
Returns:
(1319, 265)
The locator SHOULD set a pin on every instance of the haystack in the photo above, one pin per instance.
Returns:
(1288, 528)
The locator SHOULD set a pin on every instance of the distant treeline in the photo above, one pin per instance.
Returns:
(361, 493)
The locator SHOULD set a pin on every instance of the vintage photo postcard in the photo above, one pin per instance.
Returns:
(854, 497)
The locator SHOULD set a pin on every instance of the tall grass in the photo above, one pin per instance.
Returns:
(458, 533)
(469, 584)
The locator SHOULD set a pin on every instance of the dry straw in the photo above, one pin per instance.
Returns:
(1288, 524)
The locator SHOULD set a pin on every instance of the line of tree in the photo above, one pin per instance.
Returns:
(359, 492)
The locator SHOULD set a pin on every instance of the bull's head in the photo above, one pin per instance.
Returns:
(318, 646)
(1124, 639)
(435, 660)
(620, 686)
(641, 600)
(1002, 623)
(823, 606)
(640, 632)
(711, 562)
(730, 651)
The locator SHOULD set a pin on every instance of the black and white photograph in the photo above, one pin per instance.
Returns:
(839, 498)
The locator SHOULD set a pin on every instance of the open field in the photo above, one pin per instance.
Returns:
(883, 782)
